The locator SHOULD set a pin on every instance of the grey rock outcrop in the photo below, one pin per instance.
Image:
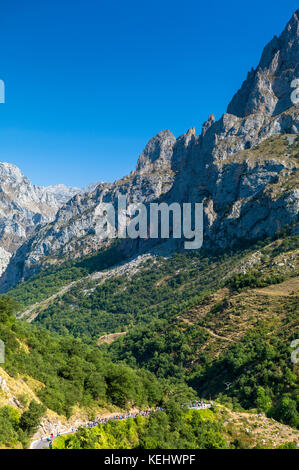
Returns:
(4, 259)
(157, 153)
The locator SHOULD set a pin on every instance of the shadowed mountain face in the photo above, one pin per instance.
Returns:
(243, 168)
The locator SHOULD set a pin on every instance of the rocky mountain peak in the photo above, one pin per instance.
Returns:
(11, 171)
(158, 151)
(267, 88)
(282, 52)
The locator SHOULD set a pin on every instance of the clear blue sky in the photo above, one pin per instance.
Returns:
(89, 82)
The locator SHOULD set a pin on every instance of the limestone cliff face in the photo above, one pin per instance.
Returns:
(4, 259)
(243, 167)
(157, 153)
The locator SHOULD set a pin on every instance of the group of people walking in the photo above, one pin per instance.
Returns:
(194, 405)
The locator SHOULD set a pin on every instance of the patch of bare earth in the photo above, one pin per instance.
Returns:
(109, 338)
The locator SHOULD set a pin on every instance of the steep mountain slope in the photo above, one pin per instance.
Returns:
(266, 90)
(224, 325)
(23, 206)
(245, 179)
(235, 342)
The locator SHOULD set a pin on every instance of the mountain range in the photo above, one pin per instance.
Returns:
(243, 168)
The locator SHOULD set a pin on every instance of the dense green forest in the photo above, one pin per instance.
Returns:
(258, 364)
(261, 376)
(16, 427)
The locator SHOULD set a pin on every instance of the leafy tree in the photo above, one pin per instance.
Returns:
(286, 411)
(263, 400)
(30, 419)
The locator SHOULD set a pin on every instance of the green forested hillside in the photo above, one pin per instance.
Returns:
(52, 277)
(161, 289)
(62, 373)
(235, 343)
